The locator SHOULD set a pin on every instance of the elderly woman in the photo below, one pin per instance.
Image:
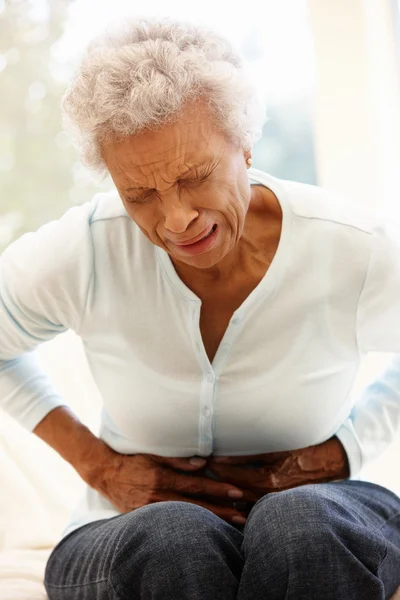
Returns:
(224, 313)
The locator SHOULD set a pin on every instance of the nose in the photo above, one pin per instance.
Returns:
(178, 215)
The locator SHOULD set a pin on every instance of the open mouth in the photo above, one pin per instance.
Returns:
(212, 230)
(208, 234)
(203, 244)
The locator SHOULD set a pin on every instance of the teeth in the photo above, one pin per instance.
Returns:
(208, 234)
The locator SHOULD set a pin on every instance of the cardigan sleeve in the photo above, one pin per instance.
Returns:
(375, 418)
(44, 282)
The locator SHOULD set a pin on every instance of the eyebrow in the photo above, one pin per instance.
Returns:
(198, 166)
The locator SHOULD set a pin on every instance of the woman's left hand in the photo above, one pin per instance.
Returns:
(277, 471)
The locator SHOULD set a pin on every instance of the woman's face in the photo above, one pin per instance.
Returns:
(180, 182)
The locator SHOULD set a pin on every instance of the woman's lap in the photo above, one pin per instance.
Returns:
(93, 562)
(311, 542)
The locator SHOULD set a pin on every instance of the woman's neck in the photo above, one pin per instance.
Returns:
(252, 254)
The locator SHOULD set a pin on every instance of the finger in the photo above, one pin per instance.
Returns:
(227, 513)
(181, 463)
(188, 484)
(235, 460)
(244, 479)
(269, 457)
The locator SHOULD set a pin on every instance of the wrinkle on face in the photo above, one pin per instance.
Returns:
(175, 209)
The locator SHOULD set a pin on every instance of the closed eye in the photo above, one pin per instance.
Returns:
(194, 180)
(138, 199)
(147, 193)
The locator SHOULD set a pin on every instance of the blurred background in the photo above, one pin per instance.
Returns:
(330, 75)
(40, 44)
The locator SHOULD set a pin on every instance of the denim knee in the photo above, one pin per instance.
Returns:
(172, 517)
(161, 542)
(290, 519)
(157, 531)
(314, 517)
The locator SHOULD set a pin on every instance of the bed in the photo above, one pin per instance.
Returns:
(21, 574)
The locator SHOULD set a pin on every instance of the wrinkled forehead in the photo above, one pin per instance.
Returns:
(172, 151)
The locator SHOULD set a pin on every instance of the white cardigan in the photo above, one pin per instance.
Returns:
(283, 372)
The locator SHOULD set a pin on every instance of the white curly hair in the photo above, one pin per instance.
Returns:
(139, 73)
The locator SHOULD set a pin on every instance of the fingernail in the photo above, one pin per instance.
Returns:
(197, 462)
(235, 494)
(239, 520)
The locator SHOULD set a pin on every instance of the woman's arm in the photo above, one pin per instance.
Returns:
(45, 279)
(73, 441)
(132, 481)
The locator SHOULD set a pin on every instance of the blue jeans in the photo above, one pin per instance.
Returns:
(326, 541)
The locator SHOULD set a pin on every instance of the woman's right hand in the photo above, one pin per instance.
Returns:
(132, 481)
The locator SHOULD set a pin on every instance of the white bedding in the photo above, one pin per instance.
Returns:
(38, 490)
(31, 515)
(21, 574)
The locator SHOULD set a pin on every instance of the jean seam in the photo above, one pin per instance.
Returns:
(287, 578)
(119, 549)
(110, 583)
(87, 583)
(386, 548)
(74, 585)
(396, 516)
(383, 559)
